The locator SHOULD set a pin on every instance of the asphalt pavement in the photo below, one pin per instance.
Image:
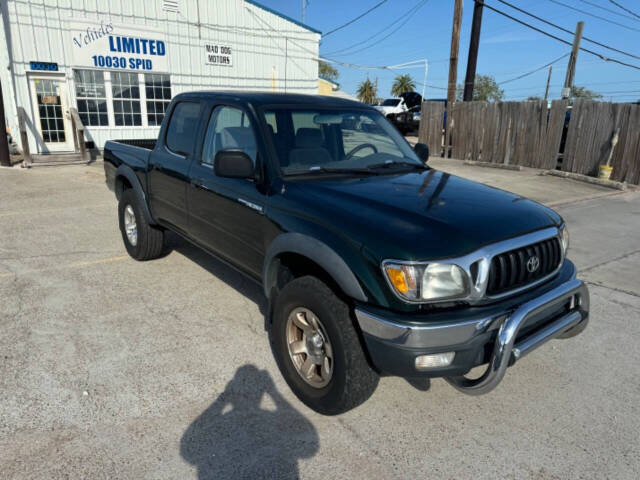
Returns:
(112, 368)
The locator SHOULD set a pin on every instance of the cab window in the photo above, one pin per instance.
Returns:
(183, 127)
(229, 128)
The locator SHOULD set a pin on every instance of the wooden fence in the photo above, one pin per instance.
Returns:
(531, 134)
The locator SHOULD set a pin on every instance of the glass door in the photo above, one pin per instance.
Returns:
(53, 121)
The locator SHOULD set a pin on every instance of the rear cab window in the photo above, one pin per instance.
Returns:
(183, 127)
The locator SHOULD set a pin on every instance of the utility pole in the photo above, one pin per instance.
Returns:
(546, 90)
(573, 58)
(304, 8)
(474, 43)
(453, 58)
(5, 160)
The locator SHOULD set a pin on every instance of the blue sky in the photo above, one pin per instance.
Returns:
(507, 49)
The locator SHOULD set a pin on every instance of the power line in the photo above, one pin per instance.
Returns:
(595, 16)
(409, 16)
(534, 71)
(567, 30)
(599, 55)
(354, 20)
(608, 10)
(624, 8)
(411, 11)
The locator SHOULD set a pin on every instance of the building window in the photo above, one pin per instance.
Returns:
(126, 99)
(158, 92)
(91, 97)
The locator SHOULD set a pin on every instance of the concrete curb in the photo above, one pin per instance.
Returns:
(493, 165)
(586, 179)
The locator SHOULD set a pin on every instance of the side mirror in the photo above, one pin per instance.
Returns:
(422, 151)
(233, 164)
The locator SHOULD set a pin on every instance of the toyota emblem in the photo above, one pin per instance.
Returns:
(533, 264)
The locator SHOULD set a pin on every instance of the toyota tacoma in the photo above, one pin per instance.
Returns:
(372, 262)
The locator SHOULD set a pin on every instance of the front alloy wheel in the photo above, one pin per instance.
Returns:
(309, 347)
(317, 347)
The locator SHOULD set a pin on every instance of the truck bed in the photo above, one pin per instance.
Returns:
(146, 143)
(134, 153)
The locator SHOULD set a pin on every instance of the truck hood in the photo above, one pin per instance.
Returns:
(418, 215)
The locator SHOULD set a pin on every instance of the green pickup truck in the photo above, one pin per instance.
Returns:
(372, 262)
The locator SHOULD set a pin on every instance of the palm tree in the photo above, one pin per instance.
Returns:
(367, 91)
(403, 84)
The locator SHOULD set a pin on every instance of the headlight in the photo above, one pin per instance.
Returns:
(565, 239)
(432, 281)
(416, 117)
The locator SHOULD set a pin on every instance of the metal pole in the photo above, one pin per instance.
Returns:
(573, 58)
(455, 47)
(5, 160)
(546, 91)
(304, 2)
(426, 71)
(286, 56)
(474, 44)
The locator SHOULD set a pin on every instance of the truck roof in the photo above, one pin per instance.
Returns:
(271, 98)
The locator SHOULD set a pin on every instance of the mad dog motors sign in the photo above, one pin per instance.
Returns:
(107, 45)
(218, 54)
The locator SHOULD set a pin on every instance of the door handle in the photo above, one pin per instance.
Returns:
(198, 183)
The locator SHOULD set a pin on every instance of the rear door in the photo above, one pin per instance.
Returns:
(227, 214)
(169, 164)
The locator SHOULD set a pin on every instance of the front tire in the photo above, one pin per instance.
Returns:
(142, 241)
(317, 348)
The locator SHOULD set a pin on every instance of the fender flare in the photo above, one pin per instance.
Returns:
(127, 172)
(316, 251)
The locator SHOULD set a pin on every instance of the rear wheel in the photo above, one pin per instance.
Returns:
(317, 348)
(142, 241)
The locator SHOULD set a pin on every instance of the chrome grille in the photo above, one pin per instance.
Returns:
(514, 269)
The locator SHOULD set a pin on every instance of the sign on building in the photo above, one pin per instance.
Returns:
(107, 45)
(218, 54)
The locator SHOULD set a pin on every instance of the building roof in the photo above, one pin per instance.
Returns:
(328, 80)
(281, 15)
(272, 98)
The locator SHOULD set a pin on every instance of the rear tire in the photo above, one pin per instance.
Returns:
(142, 241)
(349, 380)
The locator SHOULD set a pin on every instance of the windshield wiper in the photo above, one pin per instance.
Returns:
(391, 163)
(323, 170)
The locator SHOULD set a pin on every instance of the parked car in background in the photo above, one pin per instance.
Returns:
(391, 106)
(404, 102)
(406, 122)
(409, 120)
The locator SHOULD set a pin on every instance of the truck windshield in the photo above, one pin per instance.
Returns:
(336, 140)
(391, 102)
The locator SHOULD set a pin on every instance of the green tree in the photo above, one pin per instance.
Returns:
(534, 98)
(582, 92)
(485, 89)
(402, 84)
(327, 71)
(367, 91)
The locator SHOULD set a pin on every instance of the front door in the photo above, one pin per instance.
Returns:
(226, 215)
(50, 98)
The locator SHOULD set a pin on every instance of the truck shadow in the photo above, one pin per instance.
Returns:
(237, 437)
(236, 280)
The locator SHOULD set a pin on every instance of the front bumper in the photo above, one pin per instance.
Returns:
(497, 335)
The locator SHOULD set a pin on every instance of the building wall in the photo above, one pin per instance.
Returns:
(269, 52)
(325, 87)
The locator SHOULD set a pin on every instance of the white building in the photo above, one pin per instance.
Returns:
(119, 62)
